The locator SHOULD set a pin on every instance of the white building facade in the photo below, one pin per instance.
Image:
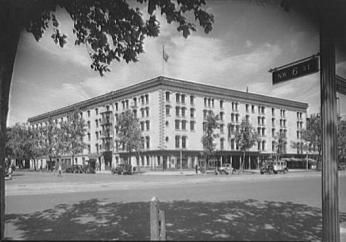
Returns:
(171, 113)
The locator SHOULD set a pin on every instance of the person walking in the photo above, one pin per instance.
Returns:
(60, 171)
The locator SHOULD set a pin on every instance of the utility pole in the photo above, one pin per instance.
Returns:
(330, 199)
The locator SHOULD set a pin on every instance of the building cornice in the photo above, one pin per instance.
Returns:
(162, 82)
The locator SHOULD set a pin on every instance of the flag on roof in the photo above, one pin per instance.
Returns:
(164, 54)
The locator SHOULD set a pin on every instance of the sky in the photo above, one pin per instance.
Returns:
(247, 40)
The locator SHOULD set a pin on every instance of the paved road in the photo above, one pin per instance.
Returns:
(247, 207)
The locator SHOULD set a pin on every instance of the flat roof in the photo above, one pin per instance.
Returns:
(162, 82)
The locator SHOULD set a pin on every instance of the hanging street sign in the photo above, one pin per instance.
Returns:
(295, 70)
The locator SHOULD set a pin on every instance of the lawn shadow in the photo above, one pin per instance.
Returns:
(186, 220)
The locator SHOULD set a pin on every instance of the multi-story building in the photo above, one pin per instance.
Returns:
(171, 114)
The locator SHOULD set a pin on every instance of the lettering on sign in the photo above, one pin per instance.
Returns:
(298, 70)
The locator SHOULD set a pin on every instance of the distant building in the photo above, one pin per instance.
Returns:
(171, 113)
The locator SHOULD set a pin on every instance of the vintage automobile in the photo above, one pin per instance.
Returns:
(226, 169)
(273, 166)
(123, 169)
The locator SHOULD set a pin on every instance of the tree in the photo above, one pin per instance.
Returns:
(280, 141)
(17, 142)
(49, 134)
(208, 139)
(129, 134)
(35, 149)
(245, 138)
(112, 30)
(71, 135)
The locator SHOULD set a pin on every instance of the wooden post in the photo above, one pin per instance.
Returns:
(154, 219)
(157, 221)
(162, 220)
(330, 199)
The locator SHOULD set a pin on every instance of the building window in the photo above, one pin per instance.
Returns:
(147, 111)
(167, 96)
(273, 145)
(183, 142)
(221, 116)
(247, 118)
(222, 141)
(88, 113)
(205, 114)
(222, 128)
(88, 123)
(259, 120)
(177, 98)
(183, 125)
(168, 108)
(89, 149)
(192, 125)
(205, 102)
(212, 102)
(116, 106)
(96, 111)
(273, 133)
(253, 108)
(142, 126)
(259, 145)
(142, 112)
(148, 141)
(273, 111)
(192, 100)
(192, 112)
(232, 144)
(183, 98)
(177, 141)
(221, 104)
(263, 131)
(142, 142)
(88, 136)
(147, 123)
(177, 111)
(97, 135)
(135, 113)
(167, 123)
(177, 124)
(247, 108)
(146, 99)
(97, 123)
(183, 112)
(167, 139)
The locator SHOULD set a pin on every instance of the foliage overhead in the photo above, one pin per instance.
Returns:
(111, 30)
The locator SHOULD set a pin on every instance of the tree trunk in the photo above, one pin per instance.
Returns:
(242, 162)
(8, 47)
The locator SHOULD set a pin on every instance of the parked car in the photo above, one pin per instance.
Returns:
(274, 166)
(75, 169)
(225, 169)
(123, 169)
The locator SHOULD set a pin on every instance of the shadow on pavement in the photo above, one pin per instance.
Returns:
(186, 220)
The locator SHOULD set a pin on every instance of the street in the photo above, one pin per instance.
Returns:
(41, 206)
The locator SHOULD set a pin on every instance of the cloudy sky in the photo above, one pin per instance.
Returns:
(247, 40)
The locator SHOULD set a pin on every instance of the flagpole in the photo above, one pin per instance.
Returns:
(163, 61)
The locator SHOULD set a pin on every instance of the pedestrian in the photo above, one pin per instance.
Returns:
(196, 169)
(60, 172)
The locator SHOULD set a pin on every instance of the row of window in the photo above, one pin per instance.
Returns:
(183, 124)
(180, 98)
